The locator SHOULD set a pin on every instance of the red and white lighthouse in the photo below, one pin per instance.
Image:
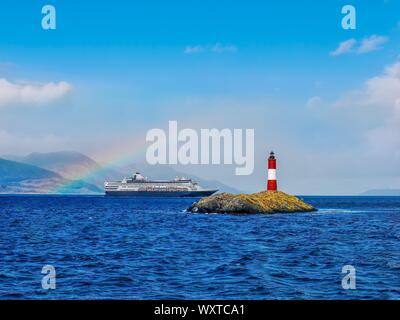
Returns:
(272, 184)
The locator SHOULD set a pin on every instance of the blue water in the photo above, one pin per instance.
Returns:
(121, 248)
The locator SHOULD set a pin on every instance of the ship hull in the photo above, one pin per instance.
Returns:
(161, 194)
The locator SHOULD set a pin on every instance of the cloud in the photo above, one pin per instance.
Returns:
(361, 129)
(378, 102)
(213, 48)
(344, 47)
(220, 48)
(371, 43)
(31, 94)
(381, 91)
(368, 44)
(16, 143)
(314, 102)
(194, 49)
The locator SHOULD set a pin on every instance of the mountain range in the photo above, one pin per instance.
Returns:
(381, 192)
(75, 173)
(18, 177)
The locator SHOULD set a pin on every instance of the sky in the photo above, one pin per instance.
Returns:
(325, 99)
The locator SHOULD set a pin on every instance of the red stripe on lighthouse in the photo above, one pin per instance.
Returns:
(271, 164)
(272, 184)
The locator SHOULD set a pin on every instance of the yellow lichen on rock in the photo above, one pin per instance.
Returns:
(261, 202)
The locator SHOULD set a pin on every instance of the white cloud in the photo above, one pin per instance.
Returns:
(194, 49)
(344, 47)
(220, 48)
(215, 48)
(362, 127)
(314, 102)
(15, 143)
(371, 43)
(368, 44)
(33, 94)
(378, 99)
(382, 91)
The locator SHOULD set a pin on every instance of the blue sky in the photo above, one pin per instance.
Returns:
(129, 66)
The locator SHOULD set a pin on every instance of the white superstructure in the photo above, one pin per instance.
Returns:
(140, 185)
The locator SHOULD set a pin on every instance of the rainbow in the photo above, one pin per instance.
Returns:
(123, 154)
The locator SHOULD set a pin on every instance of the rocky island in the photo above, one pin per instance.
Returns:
(266, 202)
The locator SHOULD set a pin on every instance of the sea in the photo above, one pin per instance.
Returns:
(150, 248)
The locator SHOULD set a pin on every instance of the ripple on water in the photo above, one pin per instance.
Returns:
(152, 249)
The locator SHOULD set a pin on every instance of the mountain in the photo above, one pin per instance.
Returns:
(77, 166)
(17, 177)
(12, 157)
(66, 163)
(69, 164)
(11, 171)
(381, 192)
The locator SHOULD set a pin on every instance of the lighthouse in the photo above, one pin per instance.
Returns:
(272, 184)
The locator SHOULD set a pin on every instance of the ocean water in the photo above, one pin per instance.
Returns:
(132, 248)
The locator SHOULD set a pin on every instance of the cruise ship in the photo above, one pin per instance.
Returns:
(140, 186)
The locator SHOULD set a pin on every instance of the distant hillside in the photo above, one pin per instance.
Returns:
(69, 164)
(11, 171)
(381, 192)
(16, 177)
(66, 163)
(12, 157)
(77, 166)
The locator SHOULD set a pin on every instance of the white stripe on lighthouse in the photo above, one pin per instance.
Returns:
(271, 174)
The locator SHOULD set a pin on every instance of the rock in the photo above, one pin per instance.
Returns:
(262, 202)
